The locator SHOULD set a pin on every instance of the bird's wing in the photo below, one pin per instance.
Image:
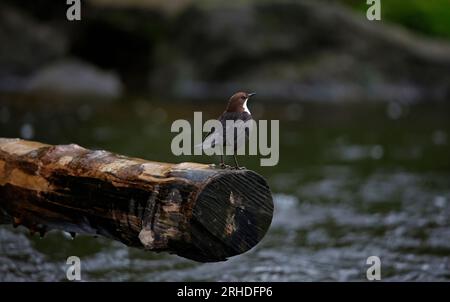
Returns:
(215, 137)
(240, 133)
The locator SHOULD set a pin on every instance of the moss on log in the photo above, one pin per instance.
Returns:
(189, 209)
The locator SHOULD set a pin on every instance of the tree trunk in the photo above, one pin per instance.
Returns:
(189, 209)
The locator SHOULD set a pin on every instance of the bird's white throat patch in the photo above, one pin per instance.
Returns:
(245, 107)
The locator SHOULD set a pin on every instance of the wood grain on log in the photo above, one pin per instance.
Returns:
(189, 209)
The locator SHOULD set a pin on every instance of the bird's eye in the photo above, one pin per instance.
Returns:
(243, 97)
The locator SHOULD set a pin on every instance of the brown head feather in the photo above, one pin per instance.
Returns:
(236, 102)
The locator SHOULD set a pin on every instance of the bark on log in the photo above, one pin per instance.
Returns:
(189, 209)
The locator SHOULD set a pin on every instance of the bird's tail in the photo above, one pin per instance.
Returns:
(209, 142)
(199, 146)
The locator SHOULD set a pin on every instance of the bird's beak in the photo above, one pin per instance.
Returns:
(251, 94)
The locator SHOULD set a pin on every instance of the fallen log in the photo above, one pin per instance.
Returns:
(193, 210)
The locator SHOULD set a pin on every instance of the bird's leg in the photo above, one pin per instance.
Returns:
(237, 164)
(237, 167)
(222, 163)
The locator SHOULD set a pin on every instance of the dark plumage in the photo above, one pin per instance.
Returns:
(236, 110)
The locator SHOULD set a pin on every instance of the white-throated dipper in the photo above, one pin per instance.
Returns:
(236, 111)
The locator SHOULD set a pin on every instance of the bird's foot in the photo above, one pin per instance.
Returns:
(220, 166)
(224, 166)
(239, 168)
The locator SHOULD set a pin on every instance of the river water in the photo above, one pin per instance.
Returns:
(353, 181)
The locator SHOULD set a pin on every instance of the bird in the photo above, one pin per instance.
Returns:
(236, 110)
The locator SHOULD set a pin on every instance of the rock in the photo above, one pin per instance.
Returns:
(26, 45)
(75, 78)
(300, 50)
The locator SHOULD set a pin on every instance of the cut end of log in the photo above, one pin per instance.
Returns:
(231, 215)
(189, 209)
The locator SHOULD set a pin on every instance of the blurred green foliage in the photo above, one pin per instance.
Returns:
(430, 17)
